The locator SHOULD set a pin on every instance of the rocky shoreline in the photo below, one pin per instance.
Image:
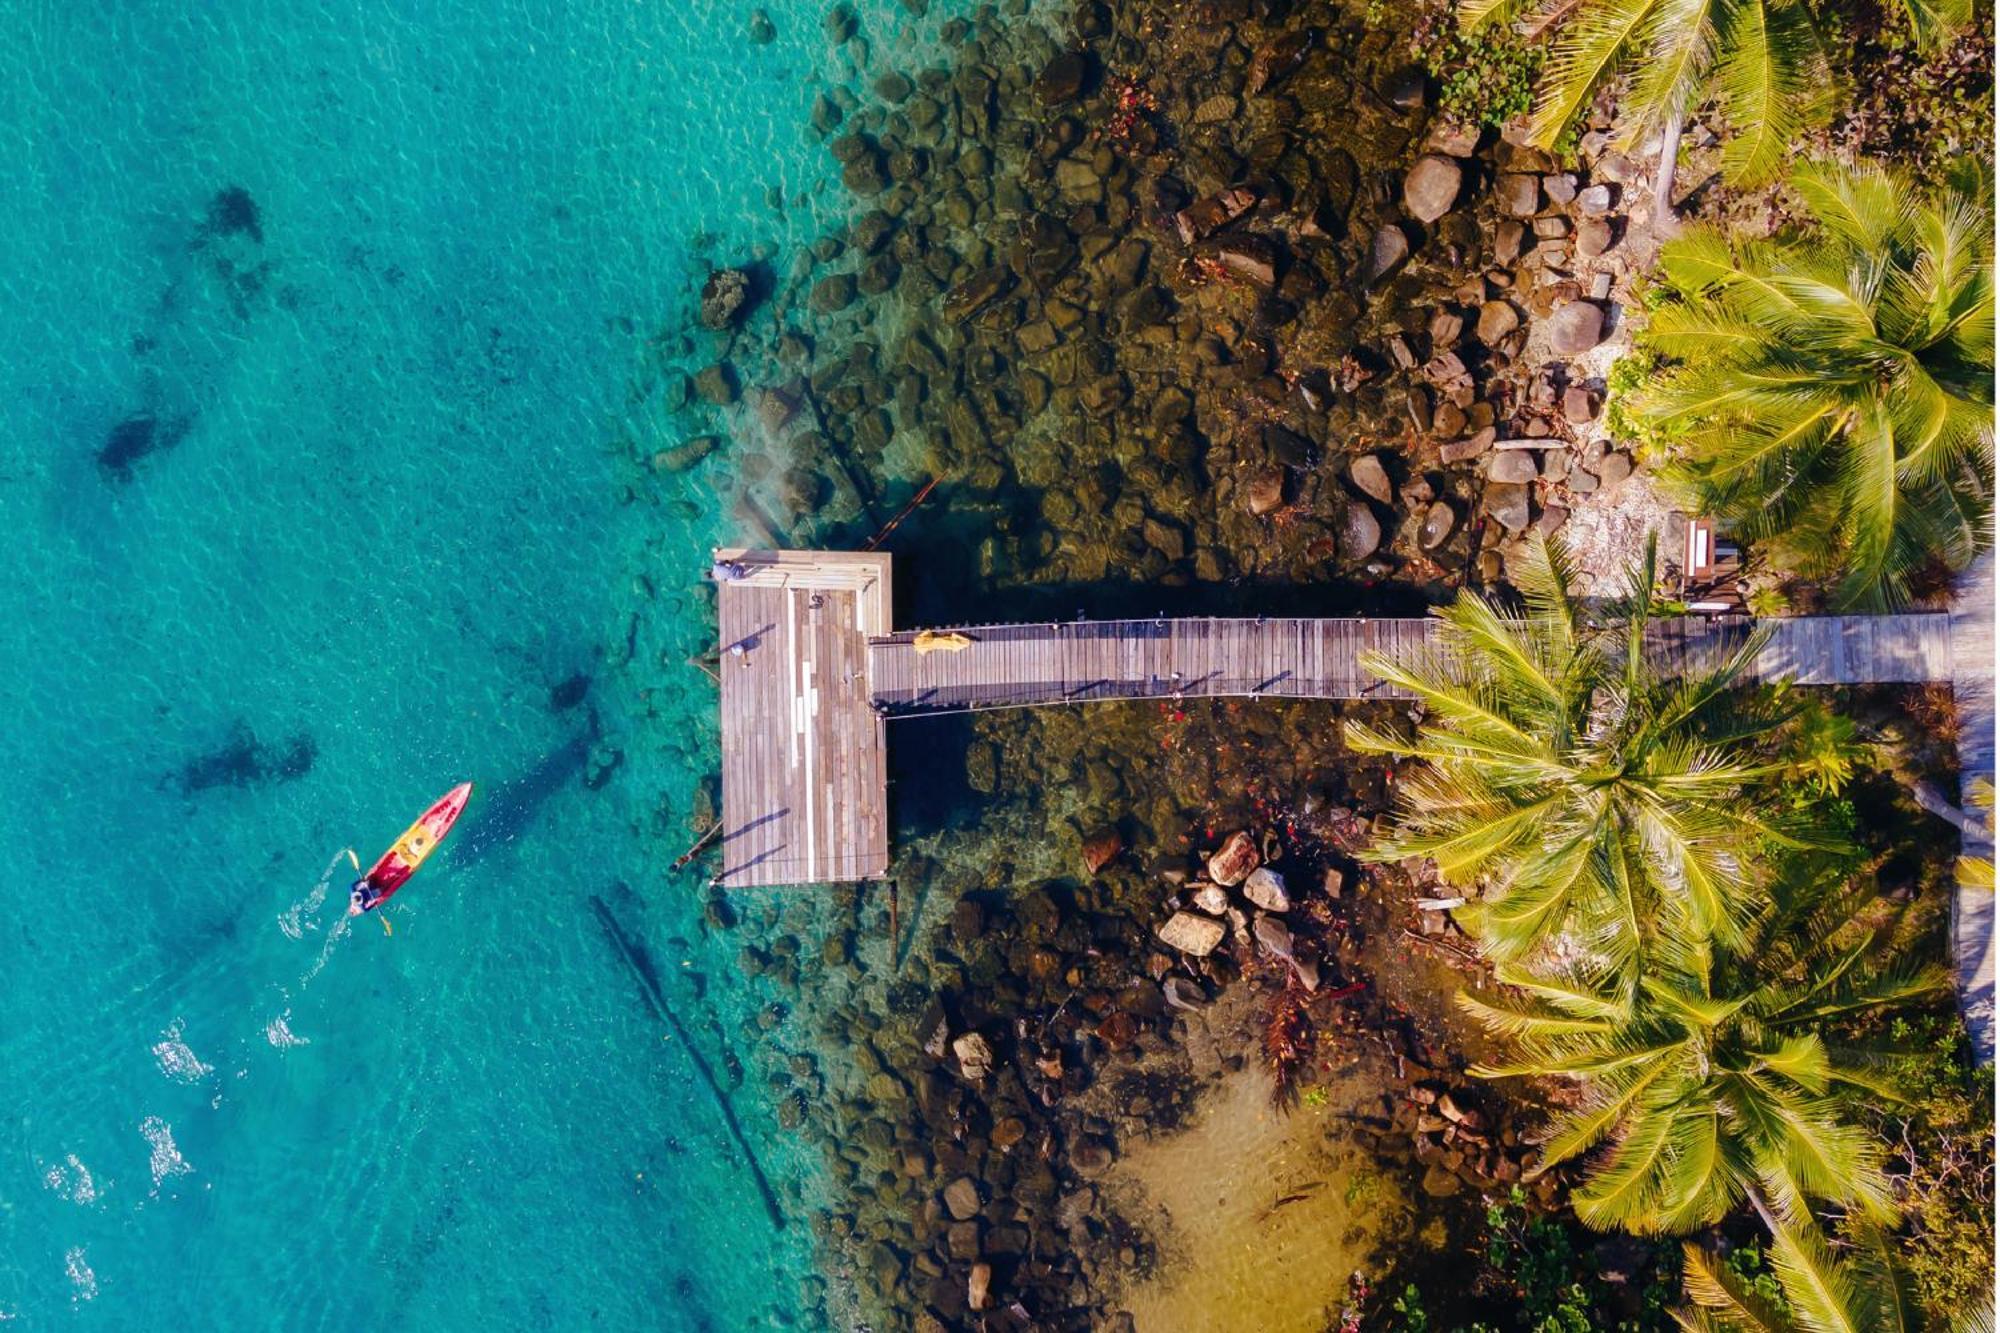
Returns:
(1184, 297)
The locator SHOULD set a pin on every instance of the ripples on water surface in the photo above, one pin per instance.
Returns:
(320, 327)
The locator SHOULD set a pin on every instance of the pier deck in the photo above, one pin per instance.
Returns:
(804, 773)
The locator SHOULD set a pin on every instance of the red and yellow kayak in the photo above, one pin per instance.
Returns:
(397, 864)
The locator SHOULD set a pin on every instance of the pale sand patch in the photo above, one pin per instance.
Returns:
(1259, 1215)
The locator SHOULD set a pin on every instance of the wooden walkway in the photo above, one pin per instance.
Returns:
(1972, 692)
(810, 672)
(1016, 666)
(804, 767)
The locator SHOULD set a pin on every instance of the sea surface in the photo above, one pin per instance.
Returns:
(329, 335)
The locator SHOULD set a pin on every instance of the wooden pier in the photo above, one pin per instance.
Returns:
(811, 670)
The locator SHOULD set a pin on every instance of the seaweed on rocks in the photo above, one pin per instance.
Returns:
(244, 761)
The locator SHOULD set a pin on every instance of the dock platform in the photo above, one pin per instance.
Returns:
(804, 769)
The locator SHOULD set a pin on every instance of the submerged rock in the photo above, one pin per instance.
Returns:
(684, 456)
(975, 1057)
(1101, 848)
(724, 298)
(961, 1198)
(1204, 217)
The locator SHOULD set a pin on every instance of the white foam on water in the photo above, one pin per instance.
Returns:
(279, 1033)
(166, 1159)
(333, 937)
(83, 1282)
(303, 915)
(72, 1179)
(177, 1059)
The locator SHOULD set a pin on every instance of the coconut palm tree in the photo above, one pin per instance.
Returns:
(1864, 1290)
(1602, 794)
(1760, 60)
(1712, 1076)
(1823, 1293)
(1833, 389)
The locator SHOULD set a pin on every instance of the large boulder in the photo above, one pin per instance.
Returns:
(1387, 252)
(1576, 328)
(1062, 80)
(1497, 319)
(1439, 521)
(1273, 937)
(1372, 479)
(1431, 187)
(1234, 860)
(1513, 465)
(1192, 934)
(1507, 501)
(1520, 194)
(1360, 533)
(1266, 888)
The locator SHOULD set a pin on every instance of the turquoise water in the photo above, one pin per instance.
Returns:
(328, 334)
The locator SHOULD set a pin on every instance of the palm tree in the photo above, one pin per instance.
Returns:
(1711, 1078)
(1863, 1292)
(1834, 385)
(1823, 1293)
(1601, 793)
(1761, 60)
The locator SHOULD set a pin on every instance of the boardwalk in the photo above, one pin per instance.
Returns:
(1015, 666)
(810, 671)
(1972, 691)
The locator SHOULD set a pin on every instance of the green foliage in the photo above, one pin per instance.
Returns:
(1539, 1275)
(1944, 1156)
(1559, 1288)
(1823, 749)
(1604, 801)
(1485, 79)
(1832, 392)
(1762, 61)
(1628, 378)
(1409, 1308)
(1928, 107)
(1812, 1289)
(1716, 1078)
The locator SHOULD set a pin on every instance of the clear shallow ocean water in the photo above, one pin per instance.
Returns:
(389, 282)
